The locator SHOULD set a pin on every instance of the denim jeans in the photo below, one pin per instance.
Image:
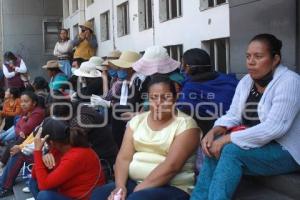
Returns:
(8, 135)
(219, 179)
(45, 194)
(12, 169)
(157, 193)
(65, 67)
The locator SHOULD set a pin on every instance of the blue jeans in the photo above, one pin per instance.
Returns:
(219, 179)
(8, 135)
(12, 169)
(65, 67)
(157, 193)
(45, 194)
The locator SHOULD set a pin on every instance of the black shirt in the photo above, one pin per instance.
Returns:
(250, 115)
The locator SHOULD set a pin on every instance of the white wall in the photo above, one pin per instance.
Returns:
(78, 17)
(189, 30)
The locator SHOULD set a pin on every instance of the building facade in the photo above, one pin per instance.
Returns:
(222, 27)
(135, 25)
(30, 29)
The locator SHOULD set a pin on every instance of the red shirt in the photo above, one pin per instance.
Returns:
(29, 121)
(76, 175)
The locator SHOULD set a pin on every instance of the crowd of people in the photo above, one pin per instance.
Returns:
(137, 127)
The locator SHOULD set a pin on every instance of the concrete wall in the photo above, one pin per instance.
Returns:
(189, 30)
(248, 18)
(23, 29)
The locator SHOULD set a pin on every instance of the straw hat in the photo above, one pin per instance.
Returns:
(111, 56)
(96, 60)
(88, 25)
(52, 64)
(126, 59)
(155, 60)
(88, 70)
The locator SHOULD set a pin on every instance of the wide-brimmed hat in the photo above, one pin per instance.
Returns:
(126, 59)
(52, 64)
(88, 25)
(113, 55)
(88, 70)
(96, 60)
(155, 60)
(56, 129)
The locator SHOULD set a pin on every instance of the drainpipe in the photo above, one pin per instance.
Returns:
(2, 29)
(153, 23)
(113, 24)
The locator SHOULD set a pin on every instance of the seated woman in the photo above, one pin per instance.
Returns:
(125, 93)
(265, 108)
(91, 82)
(23, 153)
(205, 92)
(32, 115)
(11, 107)
(58, 79)
(41, 89)
(78, 169)
(156, 156)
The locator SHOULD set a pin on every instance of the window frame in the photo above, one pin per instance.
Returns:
(89, 2)
(145, 14)
(77, 6)
(179, 49)
(168, 10)
(123, 8)
(49, 51)
(105, 14)
(210, 4)
(214, 58)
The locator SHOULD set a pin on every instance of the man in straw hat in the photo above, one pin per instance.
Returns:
(85, 43)
(58, 78)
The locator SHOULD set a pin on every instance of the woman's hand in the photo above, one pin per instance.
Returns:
(123, 193)
(38, 141)
(49, 160)
(218, 145)
(14, 150)
(207, 141)
(22, 135)
(140, 186)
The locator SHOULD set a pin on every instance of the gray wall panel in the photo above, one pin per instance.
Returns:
(23, 29)
(248, 18)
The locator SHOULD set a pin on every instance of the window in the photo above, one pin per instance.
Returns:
(104, 23)
(145, 14)
(219, 53)
(123, 19)
(93, 23)
(204, 4)
(66, 8)
(169, 9)
(51, 31)
(89, 2)
(175, 51)
(74, 5)
(75, 30)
